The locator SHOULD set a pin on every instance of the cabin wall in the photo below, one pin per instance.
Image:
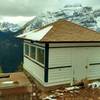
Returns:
(66, 63)
(94, 63)
(33, 67)
(60, 66)
(75, 62)
(35, 70)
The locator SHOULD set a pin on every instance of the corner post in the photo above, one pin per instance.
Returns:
(46, 62)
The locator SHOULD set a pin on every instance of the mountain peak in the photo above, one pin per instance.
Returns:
(6, 26)
(82, 15)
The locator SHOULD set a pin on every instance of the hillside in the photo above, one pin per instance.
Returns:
(10, 51)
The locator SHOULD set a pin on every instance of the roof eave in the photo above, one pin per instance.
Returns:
(70, 41)
(62, 41)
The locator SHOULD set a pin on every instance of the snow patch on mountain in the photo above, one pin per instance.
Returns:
(84, 16)
(6, 26)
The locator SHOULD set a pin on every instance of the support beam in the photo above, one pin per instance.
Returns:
(46, 62)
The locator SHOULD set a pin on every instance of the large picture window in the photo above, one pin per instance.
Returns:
(32, 52)
(40, 55)
(27, 49)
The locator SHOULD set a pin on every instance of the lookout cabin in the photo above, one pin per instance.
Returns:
(62, 53)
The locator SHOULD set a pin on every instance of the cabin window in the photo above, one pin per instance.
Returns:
(27, 49)
(32, 52)
(40, 55)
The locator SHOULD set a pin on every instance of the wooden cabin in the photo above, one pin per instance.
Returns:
(62, 53)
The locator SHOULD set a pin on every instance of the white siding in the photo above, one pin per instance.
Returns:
(59, 60)
(94, 72)
(79, 61)
(35, 70)
(78, 58)
(60, 57)
(86, 63)
(94, 63)
(60, 75)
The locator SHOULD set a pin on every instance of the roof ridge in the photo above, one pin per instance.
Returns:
(60, 20)
(66, 31)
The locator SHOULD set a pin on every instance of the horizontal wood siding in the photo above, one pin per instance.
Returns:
(60, 65)
(34, 69)
(60, 75)
(94, 63)
(59, 57)
(94, 72)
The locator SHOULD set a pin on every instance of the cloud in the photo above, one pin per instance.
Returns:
(35, 7)
(21, 20)
(94, 3)
(26, 7)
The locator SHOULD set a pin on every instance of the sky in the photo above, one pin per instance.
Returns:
(29, 8)
(20, 20)
(34, 7)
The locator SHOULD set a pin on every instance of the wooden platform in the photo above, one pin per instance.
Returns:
(15, 86)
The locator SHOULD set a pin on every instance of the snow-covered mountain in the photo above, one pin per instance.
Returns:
(6, 26)
(84, 16)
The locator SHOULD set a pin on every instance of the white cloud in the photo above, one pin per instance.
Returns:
(34, 7)
(93, 3)
(16, 20)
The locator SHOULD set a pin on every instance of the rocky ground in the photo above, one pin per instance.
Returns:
(89, 92)
(62, 94)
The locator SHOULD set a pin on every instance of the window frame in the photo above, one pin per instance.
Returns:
(35, 52)
(29, 56)
(44, 55)
(28, 49)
